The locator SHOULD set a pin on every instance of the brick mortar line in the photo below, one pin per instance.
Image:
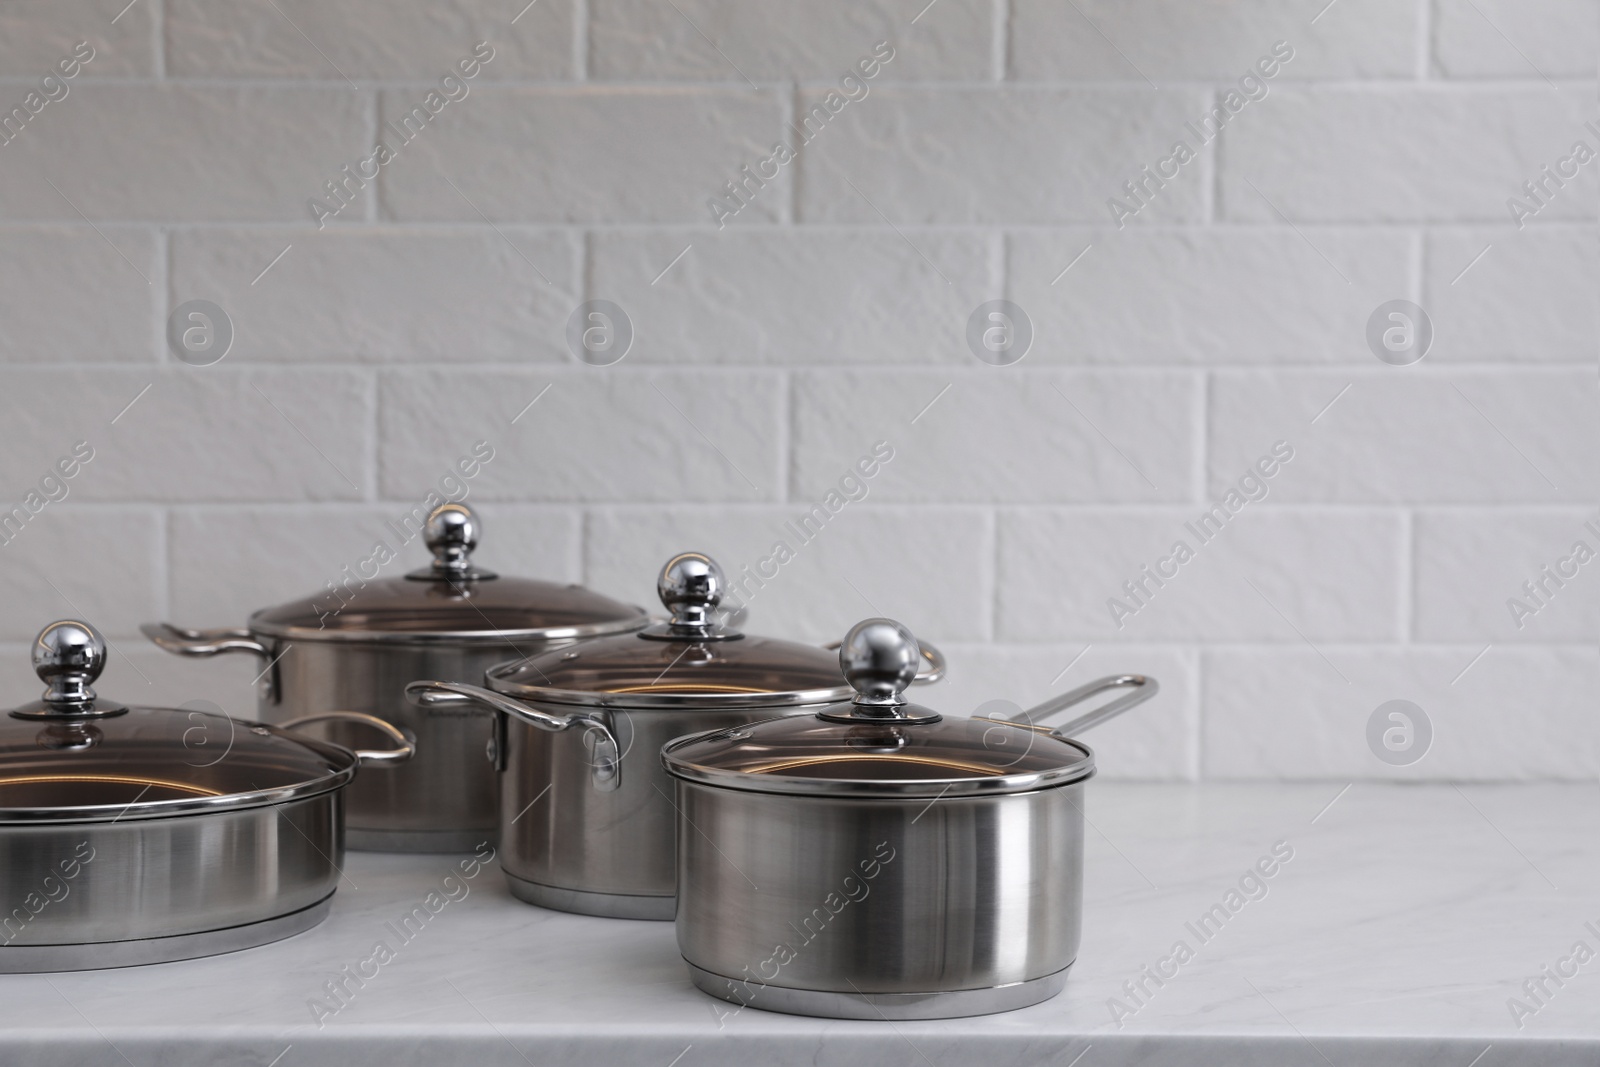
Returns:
(789, 216)
(414, 367)
(990, 623)
(788, 455)
(1406, 572)
(582, 29)
(1427, 43)
(1001, 17)
(1134, 88)
(162, 296)
(158, 42)
(1203, 422)
(356, 508)
(435, 226)
(165, 573)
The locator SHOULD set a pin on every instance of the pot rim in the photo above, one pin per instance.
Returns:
(194, 807)
(690, 698)
(444, 637)
(872, 788)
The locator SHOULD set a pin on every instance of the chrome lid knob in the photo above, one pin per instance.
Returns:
(691, 586)
(879, 658)
(68, 656)
(451, 532)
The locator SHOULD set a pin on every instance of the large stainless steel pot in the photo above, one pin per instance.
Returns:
(356, 645)
(586, 813)
(874, 860)
(142, 835)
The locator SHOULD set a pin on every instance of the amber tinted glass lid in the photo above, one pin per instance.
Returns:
(878, 745)
(636, 670)
(450, 600)
(74, 756)
(689, 661)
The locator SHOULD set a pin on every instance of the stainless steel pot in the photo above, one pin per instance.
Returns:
(142, 835)
(875, 860)
(356, 645)
(586, 813)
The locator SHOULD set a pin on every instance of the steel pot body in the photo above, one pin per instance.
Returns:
(114, 894)
(446, 798)
(578, 834)
(872, 908)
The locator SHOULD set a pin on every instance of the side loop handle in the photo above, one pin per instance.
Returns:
(605, 760)
(181, 642)
(405, 741)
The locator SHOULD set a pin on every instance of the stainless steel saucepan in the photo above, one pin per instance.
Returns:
(910, 866)
(357, 643)
(140, 835)
(586, 812)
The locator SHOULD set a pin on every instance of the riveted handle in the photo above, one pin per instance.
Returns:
(405, 741)
(181, 642)
(606, 758)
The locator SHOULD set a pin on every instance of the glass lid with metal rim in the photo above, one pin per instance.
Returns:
(690, 661)
(880, 745)
(73, 756)
(450, 600)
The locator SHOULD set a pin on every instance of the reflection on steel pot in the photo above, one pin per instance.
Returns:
(910, 866)
(141, 835)
(586, 813)
(356, 646)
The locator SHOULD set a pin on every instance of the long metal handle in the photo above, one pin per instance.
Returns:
(936, 663)
(404, 739)
(606, 756)
(1143, 688)
(181, 642)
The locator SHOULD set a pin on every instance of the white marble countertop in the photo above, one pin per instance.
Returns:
(1406, 919)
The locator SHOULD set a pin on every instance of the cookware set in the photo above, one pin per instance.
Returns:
(910, 865)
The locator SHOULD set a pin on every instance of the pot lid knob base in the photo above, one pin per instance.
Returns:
(691, 586)
(68, 656)
(451, 533)
(880, 658)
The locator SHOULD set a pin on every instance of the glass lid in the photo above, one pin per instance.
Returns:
(73, 756)
(689, 661)
(449, 601)
(880, 745)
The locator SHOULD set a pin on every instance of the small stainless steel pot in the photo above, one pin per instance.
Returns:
(876, 860)
(142, 835)
(586, 813)
(357, 644)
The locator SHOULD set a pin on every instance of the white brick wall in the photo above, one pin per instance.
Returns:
(1169, 355)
